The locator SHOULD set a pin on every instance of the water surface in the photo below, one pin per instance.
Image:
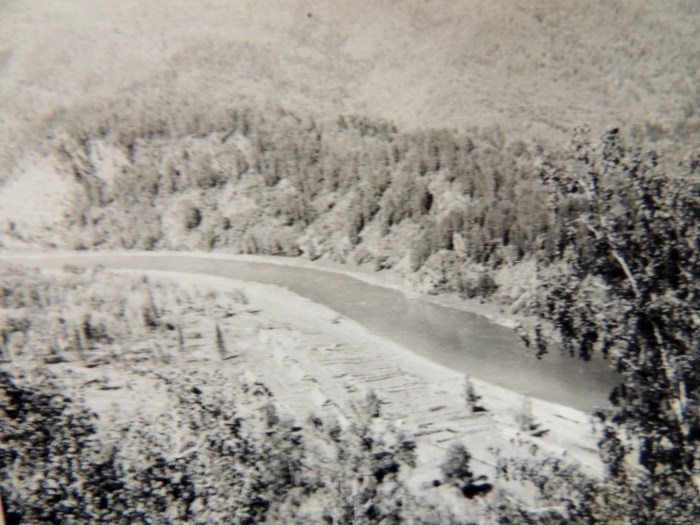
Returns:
(462, 341)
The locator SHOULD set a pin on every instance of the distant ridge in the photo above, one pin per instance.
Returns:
(534, 67)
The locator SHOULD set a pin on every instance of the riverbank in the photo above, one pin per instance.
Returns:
(498, 313)
(317, 362)
(150, 330)
(314, 360)
(425, 398)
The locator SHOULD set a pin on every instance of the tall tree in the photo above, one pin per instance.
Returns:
(626, 286)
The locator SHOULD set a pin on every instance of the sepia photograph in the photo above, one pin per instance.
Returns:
(350, 262)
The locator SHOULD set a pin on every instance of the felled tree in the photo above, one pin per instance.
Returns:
(626, 286)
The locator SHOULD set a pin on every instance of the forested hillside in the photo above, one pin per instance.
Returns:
(442, 142)
(274, 183)
(625, 286)
(449, 208)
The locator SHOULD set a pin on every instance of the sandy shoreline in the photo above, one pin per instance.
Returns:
(421, 397)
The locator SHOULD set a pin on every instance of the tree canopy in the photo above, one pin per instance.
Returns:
(626, 286)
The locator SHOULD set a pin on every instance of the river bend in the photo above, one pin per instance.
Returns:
(462, 341)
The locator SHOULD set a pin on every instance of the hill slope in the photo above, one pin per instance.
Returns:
(531, 66)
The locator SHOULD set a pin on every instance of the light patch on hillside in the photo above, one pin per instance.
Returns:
(108, 161)
(32, 202)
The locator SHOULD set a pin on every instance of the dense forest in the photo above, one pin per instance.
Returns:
(354, 191)
(447, 208)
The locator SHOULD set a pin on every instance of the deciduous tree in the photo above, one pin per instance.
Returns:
(627, 288)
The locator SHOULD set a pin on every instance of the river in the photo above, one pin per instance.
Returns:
(462, 341)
